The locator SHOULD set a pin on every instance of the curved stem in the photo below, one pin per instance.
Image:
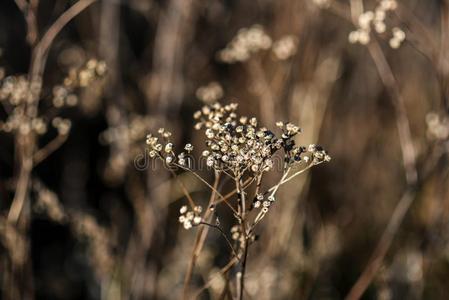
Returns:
(223, 234)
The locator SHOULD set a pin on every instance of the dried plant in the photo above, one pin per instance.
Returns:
(28, 117)
(239, 149)
(226, 218)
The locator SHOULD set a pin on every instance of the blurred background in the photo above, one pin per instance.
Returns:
(94, 226)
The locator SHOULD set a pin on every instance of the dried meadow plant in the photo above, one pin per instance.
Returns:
(240, 150)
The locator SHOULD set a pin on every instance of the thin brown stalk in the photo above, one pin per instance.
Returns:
(214, 189)
(48, 149)
(242, 210)
(402, 122)
(356, 9)
(199, 240)
(243, 271)
(409, 162)
(223, 270)
(428, 43)
(233, 192)
(223, 235)
(200, 178)
(41, 50)
(22, 187)
(382, 247)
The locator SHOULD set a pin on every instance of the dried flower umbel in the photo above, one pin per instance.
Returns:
(373, 22)
(250, 41)
(239, 148)
(210, 93)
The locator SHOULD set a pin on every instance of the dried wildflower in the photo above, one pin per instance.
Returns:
(247, 42)
(210, 93)
(169, 159)
(236, 144)
(64, 94)
(241, 149)
(285, 47)
(437, 126)
(374, 21)
(236, 233)
(18, 92)
(190, 218)
(397, 39)
(48, 203)
(62, 125)
(168, 148)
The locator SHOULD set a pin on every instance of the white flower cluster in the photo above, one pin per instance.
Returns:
(285, 47)
(238, 147)
(318, 154)
(134, 131)
(16, 90)
(83, 77)
(246, 42)
(437, 126)
(397, 39)
(252, 40)
(236, 143)
(18, 122)
(62, 125)
(64, 94)
(260, 201)
(236, 233)
(190, 218)
(20, 95)
(370, 21)
(165, 149)
(210, 93)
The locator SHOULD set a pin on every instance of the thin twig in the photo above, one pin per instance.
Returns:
(199, 240)
(293, 176)
(41, 50)
(222, 198)
(242, 210)
(402, 122)
(382, 247)
(200, 178)
(48, 149)
(233, 192)
(411, 174)
(22, 187)
(224, 236)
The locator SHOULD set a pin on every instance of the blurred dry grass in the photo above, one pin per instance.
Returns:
(95, 227)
